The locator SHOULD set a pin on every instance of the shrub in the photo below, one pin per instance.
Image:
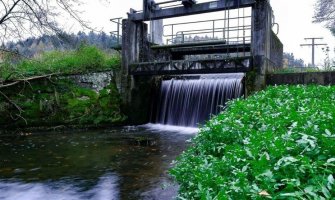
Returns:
(277, 144)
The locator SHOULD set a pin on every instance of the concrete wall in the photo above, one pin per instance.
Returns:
(95, 81)
(139, 106)
(320, 78)
(277, 50)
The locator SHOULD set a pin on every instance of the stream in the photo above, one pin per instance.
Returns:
(121, 163)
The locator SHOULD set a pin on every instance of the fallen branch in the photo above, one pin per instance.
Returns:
(11, 102)
(10, 84)
(16, 106)
(26, 80)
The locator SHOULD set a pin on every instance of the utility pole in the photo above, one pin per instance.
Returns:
(313, 45)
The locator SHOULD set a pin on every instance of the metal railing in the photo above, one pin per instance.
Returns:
(235, 30)
(118, 32)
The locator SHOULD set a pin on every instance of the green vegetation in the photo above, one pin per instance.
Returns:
(84, 59)
(87, 107)
(277, 144)
(299, 70)
(60, 102)
(57, 100)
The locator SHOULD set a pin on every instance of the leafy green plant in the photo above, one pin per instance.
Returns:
(276, 144)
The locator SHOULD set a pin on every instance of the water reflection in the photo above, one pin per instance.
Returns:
(127, 163)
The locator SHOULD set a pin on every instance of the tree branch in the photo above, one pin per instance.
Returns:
(14, 104)
(9, 11)
(5, 6)
(26, 80)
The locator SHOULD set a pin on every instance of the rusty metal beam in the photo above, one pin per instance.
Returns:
(194, 9)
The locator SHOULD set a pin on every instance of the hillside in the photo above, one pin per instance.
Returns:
(32, 46)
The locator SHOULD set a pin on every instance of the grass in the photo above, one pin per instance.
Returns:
(84, 59)
(298, 70)
(276, 144)
(303, 70)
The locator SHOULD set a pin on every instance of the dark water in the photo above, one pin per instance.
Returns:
(190, 101)
(125, 163)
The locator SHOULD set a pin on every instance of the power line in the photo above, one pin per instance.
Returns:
(313, 45)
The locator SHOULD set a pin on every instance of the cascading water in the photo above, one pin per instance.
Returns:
(189, 101)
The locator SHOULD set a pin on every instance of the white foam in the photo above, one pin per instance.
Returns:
(170, 128)
(105, 189)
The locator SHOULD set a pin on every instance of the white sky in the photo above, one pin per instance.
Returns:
(293, 16)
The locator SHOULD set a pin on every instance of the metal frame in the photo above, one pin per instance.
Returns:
(213, 6)
(226, 30)
(117, 33)
(236, 41)
(234, 49)
(229, 65)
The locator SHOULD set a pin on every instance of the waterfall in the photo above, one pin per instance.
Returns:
(189, 101)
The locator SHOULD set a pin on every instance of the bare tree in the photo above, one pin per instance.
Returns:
(325, 13)
(19, 18)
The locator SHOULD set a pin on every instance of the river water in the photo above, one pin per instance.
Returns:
(120, 163)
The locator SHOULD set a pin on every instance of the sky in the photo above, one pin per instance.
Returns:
(294, 17)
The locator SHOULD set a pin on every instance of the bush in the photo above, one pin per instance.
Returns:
(84, 59)
(277, 144)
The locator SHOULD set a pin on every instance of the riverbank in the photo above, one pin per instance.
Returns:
(277, 144)
(88, 99)
(84, 95)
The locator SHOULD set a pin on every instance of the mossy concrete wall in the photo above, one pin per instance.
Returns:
(319, 78)
(138, 106)
(86, 99)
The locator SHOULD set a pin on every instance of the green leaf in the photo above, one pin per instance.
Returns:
(326, 192)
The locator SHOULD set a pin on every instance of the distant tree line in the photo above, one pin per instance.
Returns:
(291, 61)
(63, 41)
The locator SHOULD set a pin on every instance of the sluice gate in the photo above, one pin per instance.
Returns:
(242, 38)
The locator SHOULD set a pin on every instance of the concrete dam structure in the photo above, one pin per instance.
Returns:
(241, 39)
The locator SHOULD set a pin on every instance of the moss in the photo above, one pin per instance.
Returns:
(109, 102)
(32, 111)
(79, 104)
(250, 82)
(60, 101)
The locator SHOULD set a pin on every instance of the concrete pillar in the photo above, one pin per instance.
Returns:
(261, 45)
(261, 35)
(135, 91)
(135, 48)
(156, 32)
